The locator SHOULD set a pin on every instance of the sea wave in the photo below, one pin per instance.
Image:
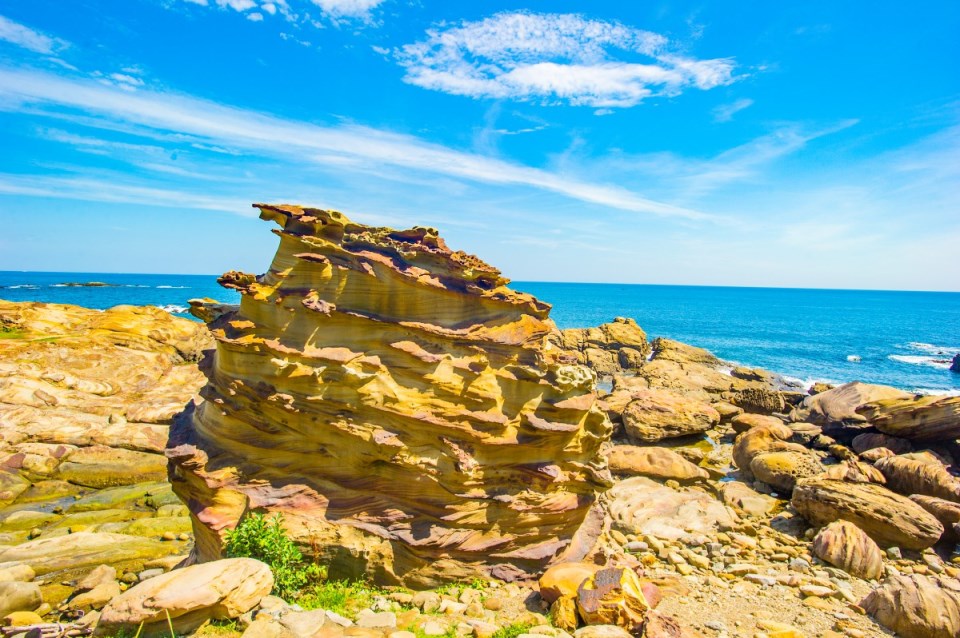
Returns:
(809, 382)
(174, 287)
(922, 360)
(175, 309)
(27, 286)
(938, 392)
(930, 348)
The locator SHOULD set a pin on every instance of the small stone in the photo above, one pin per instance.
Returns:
(765, 581)
(451, 607)
(816, 590)
(636, 546)
(168, 536)
(492, 604)
(433, 628)
(715, 625)
(427, 601)
(894, 553)
(377, 620)
(741, 569)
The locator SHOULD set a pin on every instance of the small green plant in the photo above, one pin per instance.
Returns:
(267, 541)
(512, 631)
(339, 596)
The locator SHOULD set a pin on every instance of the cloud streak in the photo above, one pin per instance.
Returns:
(556, 59)
(48, 94)
(27, 38)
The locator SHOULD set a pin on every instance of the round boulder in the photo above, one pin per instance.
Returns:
(189, 597)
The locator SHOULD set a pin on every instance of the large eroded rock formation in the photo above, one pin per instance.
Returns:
(398, 404)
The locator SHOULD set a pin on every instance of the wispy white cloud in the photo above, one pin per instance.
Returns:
(210, 123)
(110, 191)
(348, 8)
(556, 59)
(725, 112)
(336, 11)
(30, 39)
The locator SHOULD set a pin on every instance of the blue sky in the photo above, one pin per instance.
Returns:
(812, 144)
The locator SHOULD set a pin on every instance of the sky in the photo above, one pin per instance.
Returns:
(802, 144)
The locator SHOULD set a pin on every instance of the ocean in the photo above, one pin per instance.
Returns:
(903, 339)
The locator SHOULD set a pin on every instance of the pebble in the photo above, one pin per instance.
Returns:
(740, 569)
(816, 590)
(766, 581)
(715, 625)
(637, 546)
(894, 553)
(433, 628)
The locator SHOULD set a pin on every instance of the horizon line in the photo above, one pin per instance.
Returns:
(531, 281)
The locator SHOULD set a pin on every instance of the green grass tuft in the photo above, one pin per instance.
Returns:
(267, 541)
(339, 596)
(512, 631)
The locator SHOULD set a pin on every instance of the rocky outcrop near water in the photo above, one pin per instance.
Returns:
(86, 399)
(416, 422)
(398, 404)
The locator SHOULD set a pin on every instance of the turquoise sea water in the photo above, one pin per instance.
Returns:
(904, 339)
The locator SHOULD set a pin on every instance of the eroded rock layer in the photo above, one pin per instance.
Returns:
(398, 404)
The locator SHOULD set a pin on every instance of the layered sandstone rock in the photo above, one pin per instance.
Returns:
(399, 404)
(610, 348)
(921, 419)
(917, 606)
(887, 517)
(848, 547)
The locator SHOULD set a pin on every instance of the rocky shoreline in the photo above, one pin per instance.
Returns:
(707, 499)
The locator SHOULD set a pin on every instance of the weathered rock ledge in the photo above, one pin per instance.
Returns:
(398, 404)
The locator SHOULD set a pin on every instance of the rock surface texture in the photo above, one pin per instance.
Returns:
(399, 404)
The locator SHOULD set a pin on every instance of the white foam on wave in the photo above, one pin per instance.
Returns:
(27, 286)
(174, 287)
(808, 383)
(854, 358)
(923, 360)
(937, 392)
(174, 309)
(930, 348)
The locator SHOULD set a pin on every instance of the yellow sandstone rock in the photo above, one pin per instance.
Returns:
(399, 404)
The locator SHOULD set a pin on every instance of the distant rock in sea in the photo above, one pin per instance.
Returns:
(84, 284)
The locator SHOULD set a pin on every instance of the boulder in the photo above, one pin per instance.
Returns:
(442, 402)
(669, 350)
(871, 440)
(921, 419)
(877, 453)
(656, 462)
(610, 348)
(613, 596)
(763, 440)
(947, 512)
(743, 422)
(563, 613)
(747, 501)
(564, 579)
(908, 476)
(855, 472)
(887, 517)
(846, 546)
(189, 597)
(19, 596)
(759, 400)
(22, 573)
(955, 363)
(654, 415)
(836, 409)
(782, 470)
(916, 606)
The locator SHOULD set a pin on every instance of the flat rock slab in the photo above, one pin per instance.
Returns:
(84, 550)
(642, 506)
